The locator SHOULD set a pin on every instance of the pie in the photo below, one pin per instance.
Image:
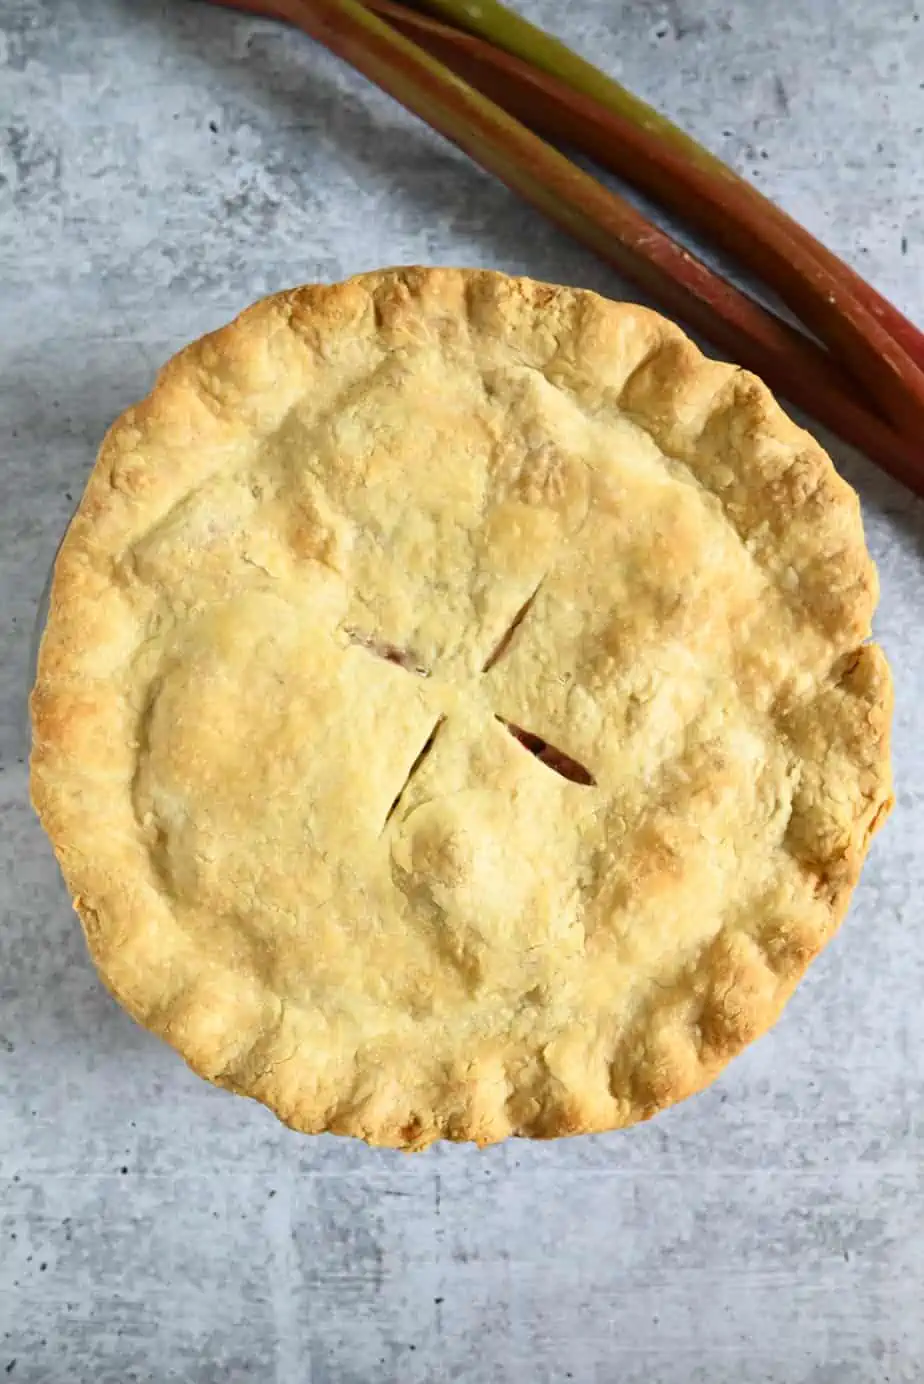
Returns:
(455, 717)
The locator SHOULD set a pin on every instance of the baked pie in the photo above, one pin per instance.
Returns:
(454, 717)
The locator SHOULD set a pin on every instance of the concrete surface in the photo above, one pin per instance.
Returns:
(160, 166)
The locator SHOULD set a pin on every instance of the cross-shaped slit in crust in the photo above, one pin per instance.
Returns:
(549, 755)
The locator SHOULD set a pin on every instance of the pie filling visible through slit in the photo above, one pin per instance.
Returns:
(456, 716)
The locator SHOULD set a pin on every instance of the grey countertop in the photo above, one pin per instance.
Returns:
(162, 164)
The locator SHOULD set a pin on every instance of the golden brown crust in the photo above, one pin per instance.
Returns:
(346, 546)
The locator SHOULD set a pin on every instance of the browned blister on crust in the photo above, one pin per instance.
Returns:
(454, 717)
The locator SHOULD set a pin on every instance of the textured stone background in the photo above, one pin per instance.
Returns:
(161, 165)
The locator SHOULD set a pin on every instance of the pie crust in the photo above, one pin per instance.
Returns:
(454, 718)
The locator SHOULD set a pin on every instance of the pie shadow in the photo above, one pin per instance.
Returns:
(55, 1016)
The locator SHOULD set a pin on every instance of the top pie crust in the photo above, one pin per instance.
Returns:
(273, 708)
